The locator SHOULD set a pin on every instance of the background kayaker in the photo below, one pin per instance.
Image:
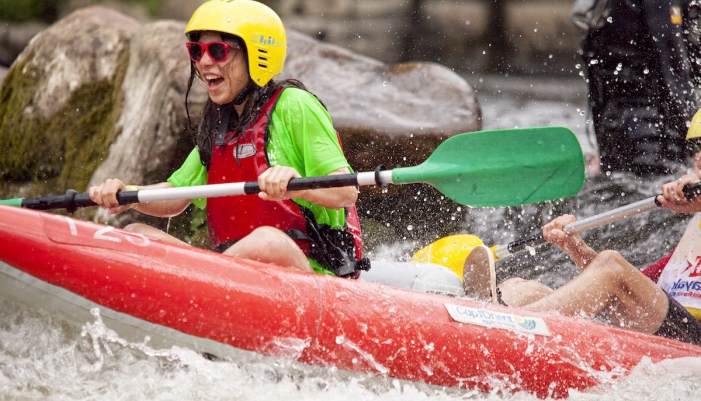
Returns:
(254, 128)
(641, 59)
(663, 299)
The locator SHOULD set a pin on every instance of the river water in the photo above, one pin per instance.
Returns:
(44, 356)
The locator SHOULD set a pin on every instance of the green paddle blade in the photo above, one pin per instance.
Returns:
(503, 167)
(12, 202)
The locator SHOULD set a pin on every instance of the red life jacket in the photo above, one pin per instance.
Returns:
(234, 217)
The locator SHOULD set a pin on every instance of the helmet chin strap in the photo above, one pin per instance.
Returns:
(243, 94)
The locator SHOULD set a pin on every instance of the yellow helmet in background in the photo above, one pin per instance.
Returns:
(695, 127)
(450, 251)
(256, 24)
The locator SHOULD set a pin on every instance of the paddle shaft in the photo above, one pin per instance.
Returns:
(72, 200)
(599, 220)
(481, 169)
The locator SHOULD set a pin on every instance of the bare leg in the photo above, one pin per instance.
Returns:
(518, 292)
(610, 282)
(270, 245)
(153, 232)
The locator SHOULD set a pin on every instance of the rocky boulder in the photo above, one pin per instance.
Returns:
(101, 95)
(60, 100)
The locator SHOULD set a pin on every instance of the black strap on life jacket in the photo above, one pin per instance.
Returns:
(333, 248)
(222, 129)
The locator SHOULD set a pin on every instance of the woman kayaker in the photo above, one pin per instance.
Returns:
(663, 299)
(254, 128)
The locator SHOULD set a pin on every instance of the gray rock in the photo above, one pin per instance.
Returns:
(79, 50)
(153, 139)
(59, 102)
(398, 100)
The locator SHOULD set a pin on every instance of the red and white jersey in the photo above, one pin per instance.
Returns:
(681, 277)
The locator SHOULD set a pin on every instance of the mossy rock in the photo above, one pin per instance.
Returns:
(60, 151)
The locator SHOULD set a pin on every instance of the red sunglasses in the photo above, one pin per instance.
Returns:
(218, 51)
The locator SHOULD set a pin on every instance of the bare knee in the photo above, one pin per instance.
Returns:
(609, 257)
(268, 235)
(260, 241)
(270, 245)
(611, 264)
(152, 232)
(138, 228)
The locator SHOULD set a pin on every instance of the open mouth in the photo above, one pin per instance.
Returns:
(213, 81)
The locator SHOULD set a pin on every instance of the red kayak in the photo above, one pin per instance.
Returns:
(352, 325)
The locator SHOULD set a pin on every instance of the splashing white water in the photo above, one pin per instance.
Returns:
(45, 357)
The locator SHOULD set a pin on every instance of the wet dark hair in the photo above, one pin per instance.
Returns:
(212, 112)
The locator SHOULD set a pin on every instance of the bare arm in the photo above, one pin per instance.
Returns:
(673, 197)
(273, 184)
(580, 253)
(105, 195)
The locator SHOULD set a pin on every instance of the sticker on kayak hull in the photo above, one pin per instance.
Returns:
(498, 320)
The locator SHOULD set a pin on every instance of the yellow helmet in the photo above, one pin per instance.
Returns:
(695, 127)
(256, 24)
(450, 251)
